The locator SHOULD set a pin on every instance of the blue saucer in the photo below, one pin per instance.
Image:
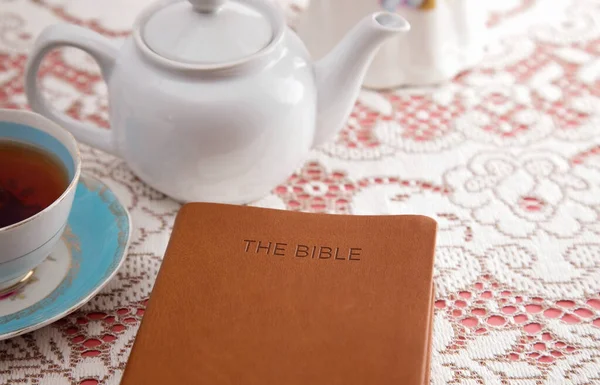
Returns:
(91, 251)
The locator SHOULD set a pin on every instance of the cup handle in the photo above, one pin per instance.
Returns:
(104, 53)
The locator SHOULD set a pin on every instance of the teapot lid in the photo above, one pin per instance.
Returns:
(208, 32)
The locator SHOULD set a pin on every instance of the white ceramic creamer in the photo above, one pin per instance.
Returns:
(446, 37)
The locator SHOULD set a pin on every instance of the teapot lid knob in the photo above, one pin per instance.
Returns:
(207, 6)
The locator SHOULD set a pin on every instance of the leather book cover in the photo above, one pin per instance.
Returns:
(254, 296)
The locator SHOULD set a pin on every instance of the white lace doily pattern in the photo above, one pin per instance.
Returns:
(506, 157)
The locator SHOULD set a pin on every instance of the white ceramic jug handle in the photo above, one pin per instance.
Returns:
(101, 49)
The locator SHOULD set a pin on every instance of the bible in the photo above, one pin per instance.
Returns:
(255, 296)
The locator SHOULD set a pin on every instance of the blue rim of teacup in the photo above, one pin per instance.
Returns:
(8, 115)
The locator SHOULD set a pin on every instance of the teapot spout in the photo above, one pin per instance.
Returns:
(340, 73)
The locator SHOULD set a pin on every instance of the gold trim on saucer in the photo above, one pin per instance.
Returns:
(17, 285)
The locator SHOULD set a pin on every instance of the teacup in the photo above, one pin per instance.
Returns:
(27, 243)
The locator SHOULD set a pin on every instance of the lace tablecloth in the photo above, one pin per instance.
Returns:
(506, 158)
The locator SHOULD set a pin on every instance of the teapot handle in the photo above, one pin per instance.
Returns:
(104, 53)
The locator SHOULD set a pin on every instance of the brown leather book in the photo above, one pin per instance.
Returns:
(253, 296)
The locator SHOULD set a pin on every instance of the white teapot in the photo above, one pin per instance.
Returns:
(215, 100)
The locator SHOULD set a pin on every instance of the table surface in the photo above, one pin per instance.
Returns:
(506, 158)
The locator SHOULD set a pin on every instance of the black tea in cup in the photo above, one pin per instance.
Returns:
(31, 179)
